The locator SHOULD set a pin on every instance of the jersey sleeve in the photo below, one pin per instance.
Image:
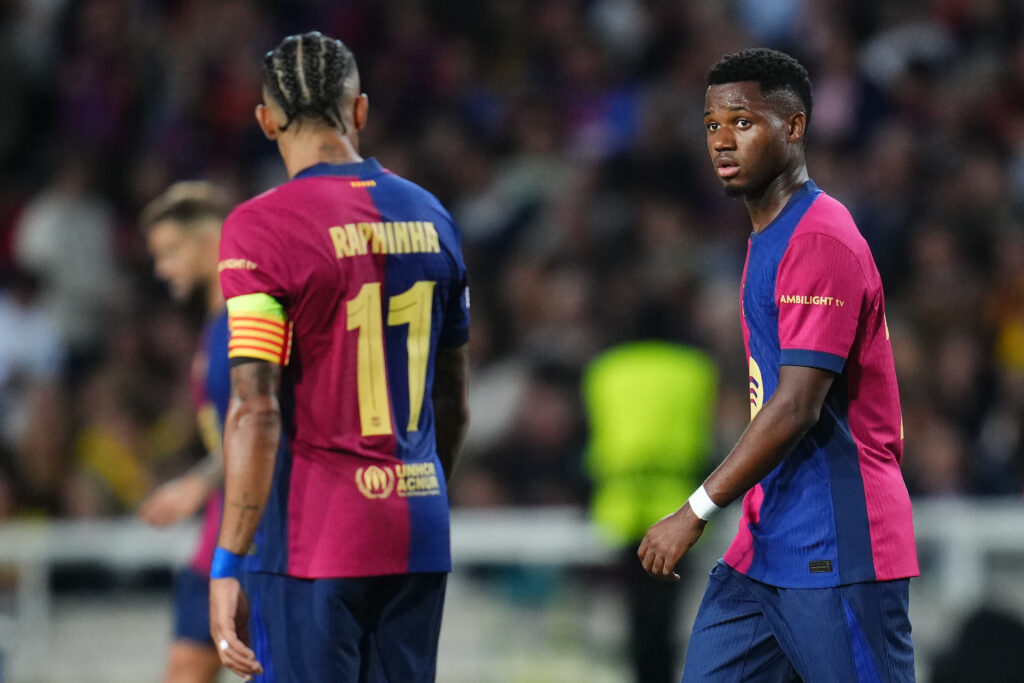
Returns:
(254, 277)
(455, 330)
(252, 257)
(456, 320)
(820, 290)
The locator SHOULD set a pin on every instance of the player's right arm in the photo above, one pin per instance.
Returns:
(451, 410)
(252, 432)
(253, 271)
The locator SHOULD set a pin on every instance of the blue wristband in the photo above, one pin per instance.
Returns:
(226, 564)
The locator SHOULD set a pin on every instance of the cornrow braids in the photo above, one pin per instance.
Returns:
(774, 71)
(307, 74)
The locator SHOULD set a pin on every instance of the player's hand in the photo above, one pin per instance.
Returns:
(229, 619)
(174, 501)
(667, 541)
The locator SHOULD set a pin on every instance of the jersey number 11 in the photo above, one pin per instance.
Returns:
(414, 308)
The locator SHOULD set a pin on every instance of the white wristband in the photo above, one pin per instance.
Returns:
(702, 505)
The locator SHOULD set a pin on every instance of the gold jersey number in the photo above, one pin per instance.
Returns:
(414, 308)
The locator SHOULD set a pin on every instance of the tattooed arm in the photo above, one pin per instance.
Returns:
(252, 431)
(251, 434)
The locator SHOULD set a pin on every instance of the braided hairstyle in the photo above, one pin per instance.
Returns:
(777, 73)
(307, 75)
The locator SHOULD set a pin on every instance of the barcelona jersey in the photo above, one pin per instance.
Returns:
(836, 510)
(350, 277)
(211, 392)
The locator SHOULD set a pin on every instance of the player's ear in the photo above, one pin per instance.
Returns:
(796, 126)
(360, 111)
(268, 124)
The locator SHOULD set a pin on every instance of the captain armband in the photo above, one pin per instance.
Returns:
(260, 330)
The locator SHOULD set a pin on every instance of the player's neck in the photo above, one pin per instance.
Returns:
(321, 145)
(765, 205)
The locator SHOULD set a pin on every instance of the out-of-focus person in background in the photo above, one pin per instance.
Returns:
(182, 229)
(66, 237)
(651, 407)
(32, 400)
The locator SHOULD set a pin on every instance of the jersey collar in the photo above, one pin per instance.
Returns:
(808, 189)
(359, 169)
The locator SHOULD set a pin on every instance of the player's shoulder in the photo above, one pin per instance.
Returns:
(392, 182)
(410, 199)
(259, 219)
(265, 202)
(828, 218)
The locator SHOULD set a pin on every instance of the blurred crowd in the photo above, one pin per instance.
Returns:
(566, 138)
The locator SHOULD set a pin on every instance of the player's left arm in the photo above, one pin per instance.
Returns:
(451, 373)
(451, 410)
(252, 432)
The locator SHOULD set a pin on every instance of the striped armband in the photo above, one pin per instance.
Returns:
(226, 564)
(702, 505)
(259, 329)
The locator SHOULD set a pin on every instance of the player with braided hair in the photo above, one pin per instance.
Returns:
(815, 586)
(349, 315)
(308, 75)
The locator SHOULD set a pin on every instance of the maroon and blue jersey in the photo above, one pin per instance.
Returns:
(836, 510)
(211, 393)
(351, 278)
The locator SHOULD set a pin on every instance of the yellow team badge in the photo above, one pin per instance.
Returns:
(756, 388)
(375, 482)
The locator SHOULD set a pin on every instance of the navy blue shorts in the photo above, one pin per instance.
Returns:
(192, 607)
(378, 629)
(749, 631)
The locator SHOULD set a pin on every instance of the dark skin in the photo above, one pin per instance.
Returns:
(451, 410)
(756, 146)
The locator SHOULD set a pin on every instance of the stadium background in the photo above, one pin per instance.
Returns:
(565, 137)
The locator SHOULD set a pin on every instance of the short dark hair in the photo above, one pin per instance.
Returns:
(776, 72)
(186, 203)
(306, 74)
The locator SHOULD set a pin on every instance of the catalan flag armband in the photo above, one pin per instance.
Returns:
(259, 329)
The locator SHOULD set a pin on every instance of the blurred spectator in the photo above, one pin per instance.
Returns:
(538, 460)
(31, 352)
(34, 421)
(66, 236)
(135, 417)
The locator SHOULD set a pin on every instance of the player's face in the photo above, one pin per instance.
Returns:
(746, 137)
(178, 257)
